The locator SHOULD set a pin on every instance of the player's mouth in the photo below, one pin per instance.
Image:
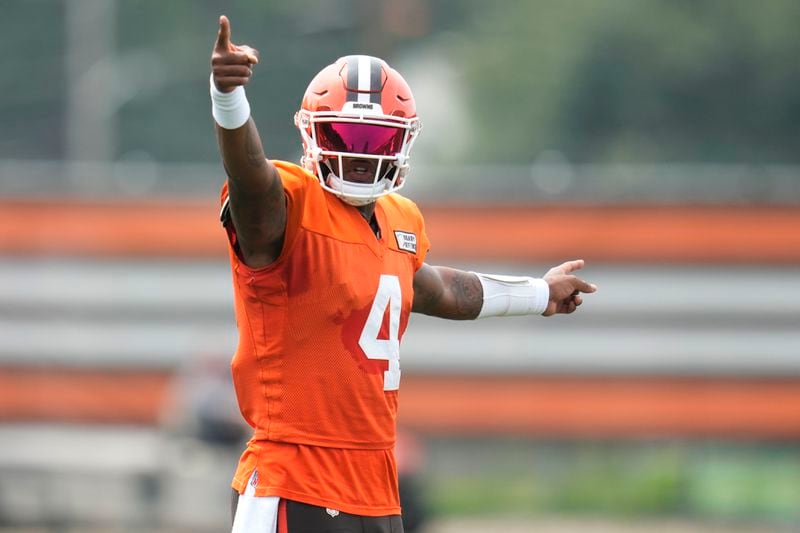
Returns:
(359, 170)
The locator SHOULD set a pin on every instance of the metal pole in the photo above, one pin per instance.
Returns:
(90, 126)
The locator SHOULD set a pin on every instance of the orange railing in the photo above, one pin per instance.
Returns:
(642, 234)
(595, 406)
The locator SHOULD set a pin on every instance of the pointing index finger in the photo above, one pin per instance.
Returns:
(585, 286)
(224, 34)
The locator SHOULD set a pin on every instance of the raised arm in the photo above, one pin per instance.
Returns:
(450, 293)
(258, 206)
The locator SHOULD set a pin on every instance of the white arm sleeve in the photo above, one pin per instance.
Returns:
(513, 295)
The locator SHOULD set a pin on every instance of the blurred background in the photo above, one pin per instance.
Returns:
(659, 140)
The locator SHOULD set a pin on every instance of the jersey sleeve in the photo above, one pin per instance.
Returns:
(225, 219)
(424, 244)
(407, 218)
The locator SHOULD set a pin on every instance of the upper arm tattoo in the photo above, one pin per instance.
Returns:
(467, 295)
(447, 293)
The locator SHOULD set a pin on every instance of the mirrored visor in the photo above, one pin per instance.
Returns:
(359, 138)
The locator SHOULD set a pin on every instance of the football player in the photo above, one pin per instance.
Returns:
(328, 262)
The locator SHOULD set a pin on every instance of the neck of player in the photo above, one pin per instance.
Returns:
(367, 211)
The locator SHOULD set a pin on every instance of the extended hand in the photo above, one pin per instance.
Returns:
(565, 288)
(231, 65)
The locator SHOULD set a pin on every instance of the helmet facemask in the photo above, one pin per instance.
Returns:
(329, 139)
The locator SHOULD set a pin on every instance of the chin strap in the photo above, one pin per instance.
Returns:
(402, 167)
(348, 190)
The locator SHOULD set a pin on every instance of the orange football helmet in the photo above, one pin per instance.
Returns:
(362, 108)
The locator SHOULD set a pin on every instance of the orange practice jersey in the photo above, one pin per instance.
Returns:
(317, 368)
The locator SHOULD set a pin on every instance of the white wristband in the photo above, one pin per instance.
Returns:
(230, 110)
(513, 295)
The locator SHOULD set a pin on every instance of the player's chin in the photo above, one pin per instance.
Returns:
(359, 177)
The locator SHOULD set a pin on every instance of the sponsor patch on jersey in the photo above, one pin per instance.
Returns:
(406, 241)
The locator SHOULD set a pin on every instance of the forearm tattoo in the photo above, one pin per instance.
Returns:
(467, 296)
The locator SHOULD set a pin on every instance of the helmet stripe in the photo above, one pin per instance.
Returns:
(375, 80)
(352, 78)
(364, 79)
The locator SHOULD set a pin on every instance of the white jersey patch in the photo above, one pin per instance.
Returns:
(406, 241)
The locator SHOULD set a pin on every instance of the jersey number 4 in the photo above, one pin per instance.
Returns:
(388, 295)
